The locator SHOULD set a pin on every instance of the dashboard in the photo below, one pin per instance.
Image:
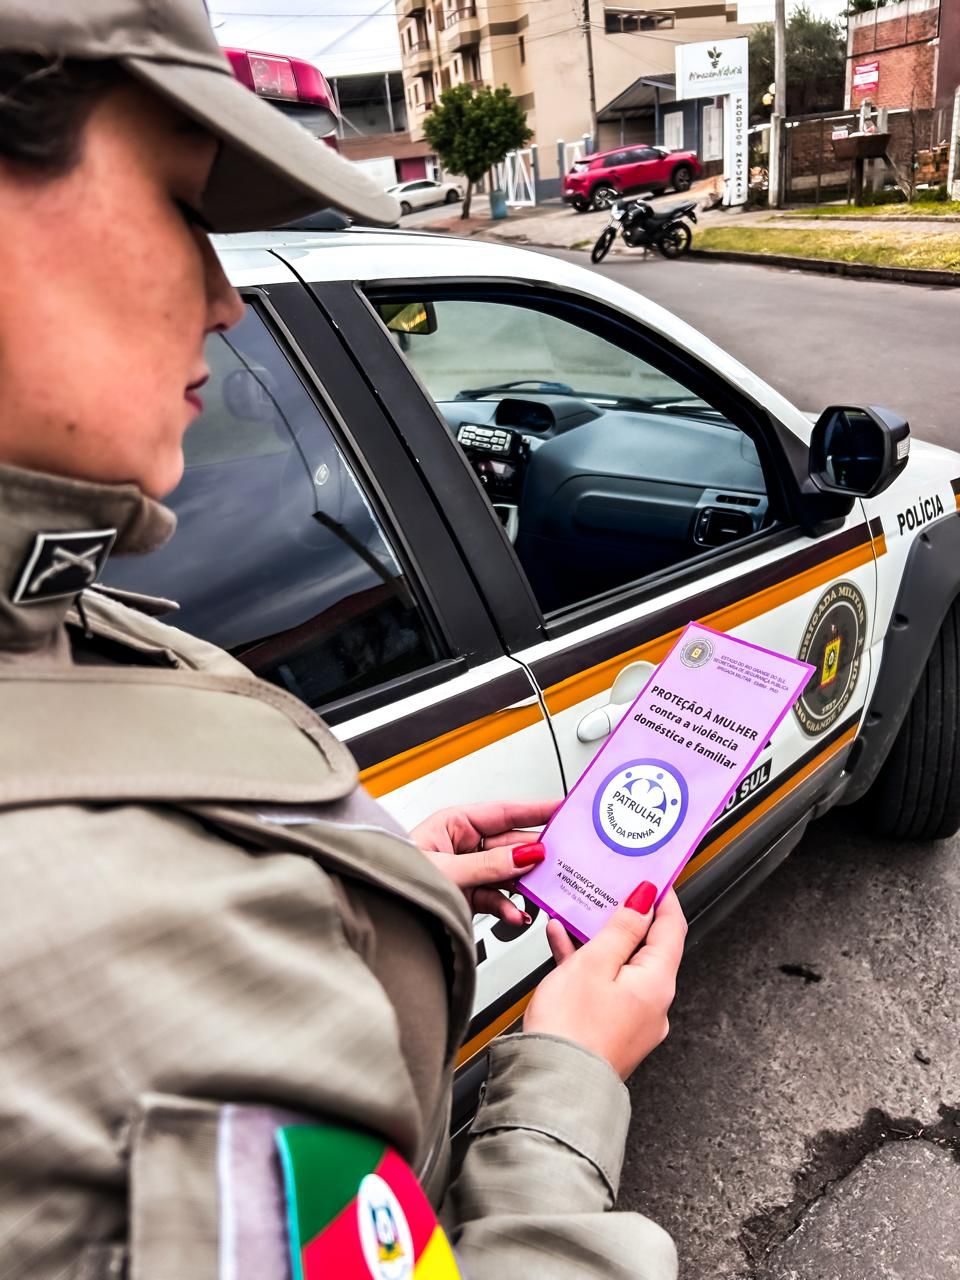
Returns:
(612, 493)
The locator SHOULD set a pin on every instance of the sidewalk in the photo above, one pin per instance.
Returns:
(559, 227)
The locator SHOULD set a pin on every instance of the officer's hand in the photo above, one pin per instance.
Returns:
(612, 994)
(483, 849)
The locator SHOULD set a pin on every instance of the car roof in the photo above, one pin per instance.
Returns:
(627, 146)
(379, 256)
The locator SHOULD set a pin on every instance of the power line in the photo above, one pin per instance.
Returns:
(377, 13)
(499, 48)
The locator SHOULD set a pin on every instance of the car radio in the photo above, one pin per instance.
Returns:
(494, 442)
(497, 456)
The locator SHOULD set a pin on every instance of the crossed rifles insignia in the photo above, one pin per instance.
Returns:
(62, 564)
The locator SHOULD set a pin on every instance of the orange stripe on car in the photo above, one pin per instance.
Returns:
(717, 846)
(408, 766)
(586, 684)
(429, 756)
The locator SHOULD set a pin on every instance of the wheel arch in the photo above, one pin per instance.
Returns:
(929, 587)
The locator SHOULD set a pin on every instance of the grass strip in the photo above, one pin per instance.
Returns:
(879, 211)
(877, 248)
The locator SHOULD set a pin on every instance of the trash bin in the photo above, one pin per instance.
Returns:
(498, 204)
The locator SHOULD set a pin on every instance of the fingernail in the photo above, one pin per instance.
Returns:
(527, 919)
(641, 899)
(528, 855)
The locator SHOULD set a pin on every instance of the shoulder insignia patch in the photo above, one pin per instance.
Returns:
(62, 564)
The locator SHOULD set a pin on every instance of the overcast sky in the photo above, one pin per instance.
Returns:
(350, 37)
(342, 37)
(762, 10)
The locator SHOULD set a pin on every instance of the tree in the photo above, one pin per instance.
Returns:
(816, 64)
(473, 130)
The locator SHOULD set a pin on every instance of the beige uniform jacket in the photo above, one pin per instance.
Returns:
(205, 928)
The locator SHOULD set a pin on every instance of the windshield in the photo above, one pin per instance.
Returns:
(485, 350)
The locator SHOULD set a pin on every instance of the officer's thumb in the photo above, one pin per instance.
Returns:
(625, 930)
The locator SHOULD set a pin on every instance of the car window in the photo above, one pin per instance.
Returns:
(618, 157)
(279, 556)
(603, 468)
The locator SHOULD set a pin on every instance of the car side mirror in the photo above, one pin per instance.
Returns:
(858, 450)
(409, 317)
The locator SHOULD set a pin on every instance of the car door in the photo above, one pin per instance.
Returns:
(424, 194)
(308, 548)
(659, 493)
(658, 168)
(615, 170)
(638, 171)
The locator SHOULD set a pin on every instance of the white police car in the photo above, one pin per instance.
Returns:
(459, 497)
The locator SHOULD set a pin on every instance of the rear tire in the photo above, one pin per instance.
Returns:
(682, 178)
(604, 196)
(603, 245)
(916, 795)
(405, 208)
(676, 240)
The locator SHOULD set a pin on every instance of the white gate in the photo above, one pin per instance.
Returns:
(515, 178)
(572, 151)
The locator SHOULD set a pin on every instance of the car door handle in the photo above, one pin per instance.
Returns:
(598, 723)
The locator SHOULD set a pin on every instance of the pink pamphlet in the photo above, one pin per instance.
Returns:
(649, 795)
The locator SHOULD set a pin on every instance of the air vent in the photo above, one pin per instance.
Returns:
(716, 528)
(738, 499)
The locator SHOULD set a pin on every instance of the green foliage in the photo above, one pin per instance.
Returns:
(472, 130)
(863, 6)
(816, 64)
(932, 195)
(886, 195)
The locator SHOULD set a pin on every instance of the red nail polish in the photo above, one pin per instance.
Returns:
(528, 855)
(642, 898)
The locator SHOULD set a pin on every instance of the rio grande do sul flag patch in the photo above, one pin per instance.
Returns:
(355, 1211)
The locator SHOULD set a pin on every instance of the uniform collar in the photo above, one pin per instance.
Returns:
(55, 535)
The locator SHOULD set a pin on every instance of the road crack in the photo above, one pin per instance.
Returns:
(831, 1156)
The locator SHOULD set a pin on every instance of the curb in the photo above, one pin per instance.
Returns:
(879, 219)
(830, 267)
(521, 242)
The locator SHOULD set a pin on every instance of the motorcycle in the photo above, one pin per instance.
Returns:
(643, 228)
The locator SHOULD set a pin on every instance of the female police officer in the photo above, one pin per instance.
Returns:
(213, 944)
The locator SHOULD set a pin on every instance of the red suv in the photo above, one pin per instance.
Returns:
(598, 179)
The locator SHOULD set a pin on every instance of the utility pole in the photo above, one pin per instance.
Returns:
(777, 150)
(591, 84)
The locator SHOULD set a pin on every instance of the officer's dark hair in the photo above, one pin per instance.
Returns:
(44, 106)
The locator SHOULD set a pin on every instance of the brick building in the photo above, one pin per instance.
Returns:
(905, 54)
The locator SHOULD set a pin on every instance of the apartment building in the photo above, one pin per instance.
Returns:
(538, 48)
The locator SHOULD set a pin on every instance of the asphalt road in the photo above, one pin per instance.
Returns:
(819, 339)
(814, 1039)
(814, 1027)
